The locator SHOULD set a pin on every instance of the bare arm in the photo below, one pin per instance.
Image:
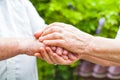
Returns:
(105, 48)
(10, 47)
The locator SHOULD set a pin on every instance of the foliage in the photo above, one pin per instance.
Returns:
(83, 14)
(58, 72)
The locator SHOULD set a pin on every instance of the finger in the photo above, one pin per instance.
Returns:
(45, 55)
(61, 26)
(65, 52)
(58, 24)
(38, 34)
(72, 56)
(53, 25)
(59, 43)
(64, 57)
(59, 50)
(38, 55)
(60, 60)
(66, 27)
(53, 48)
(51, 30)
(54, 35)
(51, 53)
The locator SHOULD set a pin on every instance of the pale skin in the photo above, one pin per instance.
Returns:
(104, 51)
(56, 55)
(10, 47)
(50, 56)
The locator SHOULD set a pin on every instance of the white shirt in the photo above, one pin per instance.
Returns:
(18, 18)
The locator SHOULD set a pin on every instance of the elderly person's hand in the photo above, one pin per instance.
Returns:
(94, 49)
(66, 36)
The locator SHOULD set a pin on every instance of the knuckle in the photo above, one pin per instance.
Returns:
(56, 35)
(56, 29)
(60, 36)
(59, 30)
(52, 29)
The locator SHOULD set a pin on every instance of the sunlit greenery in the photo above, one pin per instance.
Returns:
(83, 14)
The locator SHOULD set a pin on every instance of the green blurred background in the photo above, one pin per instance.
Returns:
(83, 14)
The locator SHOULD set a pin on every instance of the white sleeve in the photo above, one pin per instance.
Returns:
(37, 23)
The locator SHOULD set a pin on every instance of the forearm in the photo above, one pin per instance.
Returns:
(104, 48)
(10, 47)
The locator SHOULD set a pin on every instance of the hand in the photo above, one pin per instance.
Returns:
(63, 53)
(66, 36)
(30, 46)
(60, 51)
(34, 47)
(53, 58)
(94, 49)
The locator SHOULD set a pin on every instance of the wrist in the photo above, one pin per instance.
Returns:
(24, 45)
(87, 43)
(96, 47)
(29, 46)
(21, 48)
(91, 47)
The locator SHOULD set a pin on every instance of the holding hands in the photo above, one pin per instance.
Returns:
(61, 43)
(79, 44)
(65, 36)
(55, 55)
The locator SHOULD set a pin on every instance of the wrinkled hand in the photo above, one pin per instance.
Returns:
(66, 36)
(60, 52)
